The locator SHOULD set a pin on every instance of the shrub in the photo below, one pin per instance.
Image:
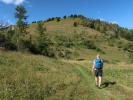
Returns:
(129, 48)
(90, 45)
(100, 50)
(10, 40)
(75, 24)
(10, 46)
(63, 52)
(65, 41)
(65, 17)
(2, 40)
(58, 19)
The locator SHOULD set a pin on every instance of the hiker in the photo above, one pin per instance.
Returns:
(98, 69)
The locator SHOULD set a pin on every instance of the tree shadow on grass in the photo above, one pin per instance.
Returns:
(108, 83)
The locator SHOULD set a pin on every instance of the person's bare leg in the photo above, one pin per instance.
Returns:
(96, 80)
(99, 81)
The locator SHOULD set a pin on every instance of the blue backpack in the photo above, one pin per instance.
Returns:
(98, 63)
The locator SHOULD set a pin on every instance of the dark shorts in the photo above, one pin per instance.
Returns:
(98, 72)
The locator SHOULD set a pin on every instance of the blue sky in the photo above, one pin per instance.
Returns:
(116, 11)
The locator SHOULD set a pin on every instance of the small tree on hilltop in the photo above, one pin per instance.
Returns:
(75, 16)
(58, 19)
(75, 24)
(65, 17)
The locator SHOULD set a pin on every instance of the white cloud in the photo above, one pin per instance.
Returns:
(16, 2)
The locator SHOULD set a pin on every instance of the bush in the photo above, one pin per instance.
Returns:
(34, 22)
(58, 19)
(2, 40)
(129, 49)
(100, 50)
(10, 40)
(90, 45)
(63, 52)
(43, 41)
(75, 24)
(65, 41)
(10, 46)
(65, 17)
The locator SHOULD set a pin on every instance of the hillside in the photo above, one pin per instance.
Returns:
(32, 77)
(65, 32)
(66, 75)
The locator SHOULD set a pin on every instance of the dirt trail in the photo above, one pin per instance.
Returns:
(83, 73)
(80, 67)
(90, 79)
(82, 62)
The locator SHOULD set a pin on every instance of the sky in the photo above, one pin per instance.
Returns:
(115, 11)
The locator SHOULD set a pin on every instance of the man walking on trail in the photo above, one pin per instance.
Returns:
(98, 69)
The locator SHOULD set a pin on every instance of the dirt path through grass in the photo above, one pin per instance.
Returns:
(83, 74)
(88, 77)
(108, 92)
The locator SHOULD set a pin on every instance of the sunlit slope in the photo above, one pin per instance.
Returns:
(64, 26)
(31, 77)
(25, 76)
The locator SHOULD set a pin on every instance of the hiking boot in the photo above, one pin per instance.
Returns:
(99, 87)
(96, 85)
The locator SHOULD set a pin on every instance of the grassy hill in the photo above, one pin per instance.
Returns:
(25, 76)
(64, 31)
(34, 77)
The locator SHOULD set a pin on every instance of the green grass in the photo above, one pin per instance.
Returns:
(34, 77)
(25, 76)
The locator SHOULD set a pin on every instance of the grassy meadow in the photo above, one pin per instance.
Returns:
(24, 76)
